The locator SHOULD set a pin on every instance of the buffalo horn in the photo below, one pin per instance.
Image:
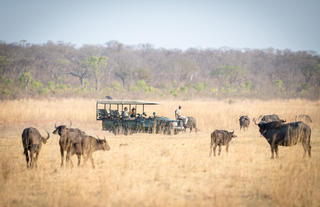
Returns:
(48, 134)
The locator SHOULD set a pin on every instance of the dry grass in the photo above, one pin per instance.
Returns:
(157, 170)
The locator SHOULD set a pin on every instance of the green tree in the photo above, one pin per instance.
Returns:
(4, 63)
(25, 80)
(142, 85)
(200, 86)
(279, 85)
(246, 86)
(97, 65)
(184, 89)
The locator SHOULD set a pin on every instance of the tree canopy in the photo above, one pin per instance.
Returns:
(122, 71)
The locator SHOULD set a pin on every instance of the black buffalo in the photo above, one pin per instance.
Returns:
(68, 137)
(191, 123)
(278, 133)
(32, 142)
(244, 122)
(219, 138)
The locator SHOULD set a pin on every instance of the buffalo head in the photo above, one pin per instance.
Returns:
(103, 143)
(59, 129)
(232, 135)
(265, 126)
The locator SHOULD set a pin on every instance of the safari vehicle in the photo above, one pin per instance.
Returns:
(109, 112)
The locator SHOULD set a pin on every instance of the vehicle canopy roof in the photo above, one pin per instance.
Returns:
(125, 102)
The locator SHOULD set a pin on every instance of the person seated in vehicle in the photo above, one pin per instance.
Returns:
(103, 114)
(125, 114)
(133, 113)
(154, 115)
(114, 114)
(179, 116)
(144, 115)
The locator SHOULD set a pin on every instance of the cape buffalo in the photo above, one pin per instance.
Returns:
(32, 142)
(288, 134)
(219, 138)
(191, 123)
(68, 136)
(87, 146)
(244, 122)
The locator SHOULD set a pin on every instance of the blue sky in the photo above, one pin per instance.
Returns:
(255, 24)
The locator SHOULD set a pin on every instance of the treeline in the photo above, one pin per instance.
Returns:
(121, 71)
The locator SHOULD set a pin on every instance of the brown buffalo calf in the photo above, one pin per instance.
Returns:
(219, 138)
(87, 146)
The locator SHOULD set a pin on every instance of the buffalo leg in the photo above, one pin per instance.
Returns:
(36, 160)
(214, 150)
(227, 147)
(304, 148)
(27, 156)
(219, 149)
(276, 150)
(272, 153)
(309, 150)
(68, 158)
(79, 158)
(62, 155)
(31, 158)
(92, 162)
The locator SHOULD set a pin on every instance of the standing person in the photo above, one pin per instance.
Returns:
(179, 116)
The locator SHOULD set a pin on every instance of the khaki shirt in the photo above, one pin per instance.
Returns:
(177, 113)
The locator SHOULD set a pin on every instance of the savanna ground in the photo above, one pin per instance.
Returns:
(159, 170)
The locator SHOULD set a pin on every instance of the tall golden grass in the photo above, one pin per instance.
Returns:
(158, 170)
